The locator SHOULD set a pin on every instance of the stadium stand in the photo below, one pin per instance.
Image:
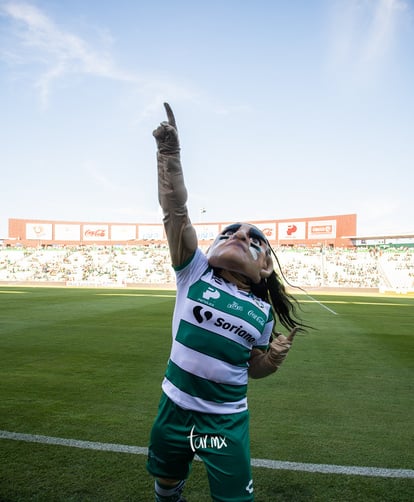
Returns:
(126, 266)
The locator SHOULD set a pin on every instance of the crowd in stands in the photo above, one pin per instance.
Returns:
(82, 265)
(382, 269)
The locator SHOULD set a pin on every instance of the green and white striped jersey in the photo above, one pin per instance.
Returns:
(215, 327)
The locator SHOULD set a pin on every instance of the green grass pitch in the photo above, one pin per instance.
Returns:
(87, 364)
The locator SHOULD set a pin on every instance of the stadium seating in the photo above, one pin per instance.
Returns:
(380, 269)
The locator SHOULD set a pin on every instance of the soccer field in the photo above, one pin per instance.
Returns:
(80, 379)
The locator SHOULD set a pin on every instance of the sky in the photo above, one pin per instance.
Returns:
(284, 109)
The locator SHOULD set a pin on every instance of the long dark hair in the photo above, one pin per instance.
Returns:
(285, 306)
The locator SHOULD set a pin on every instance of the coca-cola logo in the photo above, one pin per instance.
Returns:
(100, 232)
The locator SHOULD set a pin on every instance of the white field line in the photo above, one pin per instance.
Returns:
(256, 462)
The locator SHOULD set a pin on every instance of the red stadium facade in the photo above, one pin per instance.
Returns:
(332, 231)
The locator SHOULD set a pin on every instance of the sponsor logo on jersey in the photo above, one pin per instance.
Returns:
(250, 309)
(211, 293)
(235, 306)
(201, 315)
(259, 319)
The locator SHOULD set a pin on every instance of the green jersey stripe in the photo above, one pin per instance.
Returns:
(212, 344)
(202, 388)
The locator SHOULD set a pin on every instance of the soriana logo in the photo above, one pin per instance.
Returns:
(95, 233)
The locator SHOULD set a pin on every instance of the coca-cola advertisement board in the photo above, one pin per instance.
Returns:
(95, 232)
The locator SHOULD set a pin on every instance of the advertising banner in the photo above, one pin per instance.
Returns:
(268, 228)
(123, 232)
(206, 232)
(67, 232)
(322, 229)
(39, 231)
(95, 233)
(292, 231)
(150, 233)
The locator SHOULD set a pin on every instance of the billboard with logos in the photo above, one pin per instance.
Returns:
(39, 231)
(67, 232)
(322, 229)
(95, 233)
(268, 228)
(289, 230)
(151, 233)
(207, 232)
(123, 232)
(313, 231)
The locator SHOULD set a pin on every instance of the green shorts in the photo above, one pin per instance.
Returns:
(221, 441)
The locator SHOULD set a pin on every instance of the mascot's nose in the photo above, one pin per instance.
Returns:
(240, 234)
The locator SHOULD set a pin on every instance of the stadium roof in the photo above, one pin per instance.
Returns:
(380, 236)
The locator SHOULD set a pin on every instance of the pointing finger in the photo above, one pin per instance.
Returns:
(292, 334)
(170, 115)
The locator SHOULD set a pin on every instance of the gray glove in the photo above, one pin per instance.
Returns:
(166, 134)
(172, 193)
(279, 348)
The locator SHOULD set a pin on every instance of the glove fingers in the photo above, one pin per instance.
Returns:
(170, 115)
(292, 334)
(166, 135)
(281, 345)
(159, 132)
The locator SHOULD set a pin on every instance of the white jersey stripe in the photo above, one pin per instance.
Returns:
(189, 402)
(207, 367)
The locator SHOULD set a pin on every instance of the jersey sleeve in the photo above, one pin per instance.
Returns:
(192, 269)
(264, 340)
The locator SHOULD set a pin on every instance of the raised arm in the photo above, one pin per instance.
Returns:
(172, 193)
